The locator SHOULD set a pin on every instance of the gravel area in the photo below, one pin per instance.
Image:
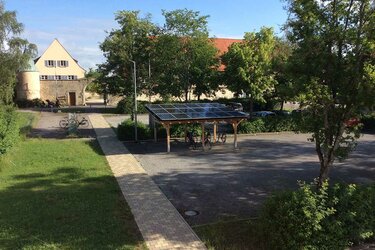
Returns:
(225, 183)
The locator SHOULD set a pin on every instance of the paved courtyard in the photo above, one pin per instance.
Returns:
(48, 126)
(222, 183)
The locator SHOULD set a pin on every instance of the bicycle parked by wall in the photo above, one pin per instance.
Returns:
(73, 121)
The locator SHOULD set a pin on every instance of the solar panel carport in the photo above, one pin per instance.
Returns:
(185, 113)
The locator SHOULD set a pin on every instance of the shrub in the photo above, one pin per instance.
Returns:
(126, 106)
(9, 128)
(325, 218)
(253, 126)
(269, 124)
(280, 123)
(178, 130)
(368, 123)
(34, 103)
(125, 130)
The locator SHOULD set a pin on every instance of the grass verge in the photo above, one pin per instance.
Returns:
(60, 194)
(230, 235)
(27, 121)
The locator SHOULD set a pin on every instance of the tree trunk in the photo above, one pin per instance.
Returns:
(325, 167)
(251, 107)
(282, 105)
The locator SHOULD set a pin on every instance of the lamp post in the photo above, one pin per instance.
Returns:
(135, 100)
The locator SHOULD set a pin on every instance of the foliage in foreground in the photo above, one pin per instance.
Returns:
(333, 70)
(14, 52)
(325, 218)
(52, 198)
(9, 128)
(329, 218)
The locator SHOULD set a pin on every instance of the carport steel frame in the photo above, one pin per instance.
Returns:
(167, 125)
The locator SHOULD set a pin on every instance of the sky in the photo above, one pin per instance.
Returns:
(81, 25)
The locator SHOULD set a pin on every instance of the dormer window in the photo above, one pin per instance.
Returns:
(50, 63)
(63, 63)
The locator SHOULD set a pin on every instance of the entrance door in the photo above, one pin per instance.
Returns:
(72, 98)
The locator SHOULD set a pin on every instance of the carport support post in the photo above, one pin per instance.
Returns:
(186, 131)
(155, 133)
(235, 124)
(203, 135)
(167, 127)
(215, 131)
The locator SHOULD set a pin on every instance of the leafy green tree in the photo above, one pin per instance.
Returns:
(283, 90)
(334, 66)
(14, 53)
(130, 42)
(186, 56)
(249, 65)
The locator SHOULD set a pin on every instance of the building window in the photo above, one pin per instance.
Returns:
(43, 77)
(63, 63)
(50, 63)
(58, 77)
(72, 77)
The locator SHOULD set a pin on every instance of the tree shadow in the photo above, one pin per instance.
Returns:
(65, 209)
(225, 183)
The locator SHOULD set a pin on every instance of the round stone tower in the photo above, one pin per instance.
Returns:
(28, 86)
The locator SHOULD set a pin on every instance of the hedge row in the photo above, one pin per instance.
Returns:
(326, 218)
(269, 124)
(253, 126)
(368, 122)
(125, 130)
(9, 128)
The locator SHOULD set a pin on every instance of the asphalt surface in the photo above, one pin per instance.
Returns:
(223, 183)
(48, 127)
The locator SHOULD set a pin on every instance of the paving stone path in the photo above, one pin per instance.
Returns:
(158, 220)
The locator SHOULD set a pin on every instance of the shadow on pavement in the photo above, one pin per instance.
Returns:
(225, 183)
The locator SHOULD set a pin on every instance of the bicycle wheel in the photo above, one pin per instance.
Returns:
(224, 138)
(84, 123)
(73, 123)
(207, 140)
(64, 123)
(207, 143)
(195, 140)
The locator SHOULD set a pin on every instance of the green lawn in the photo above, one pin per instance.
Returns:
(60, 194)
(231, 235)
(27, 120)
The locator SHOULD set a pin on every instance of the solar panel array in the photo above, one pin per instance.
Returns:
(193, 111)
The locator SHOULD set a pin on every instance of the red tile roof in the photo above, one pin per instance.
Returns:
(222, 44)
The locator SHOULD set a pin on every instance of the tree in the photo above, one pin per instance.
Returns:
(186, 57)
(248, 65)
(130, 42)
(14, 53)
(283, 90)
(334, 66)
